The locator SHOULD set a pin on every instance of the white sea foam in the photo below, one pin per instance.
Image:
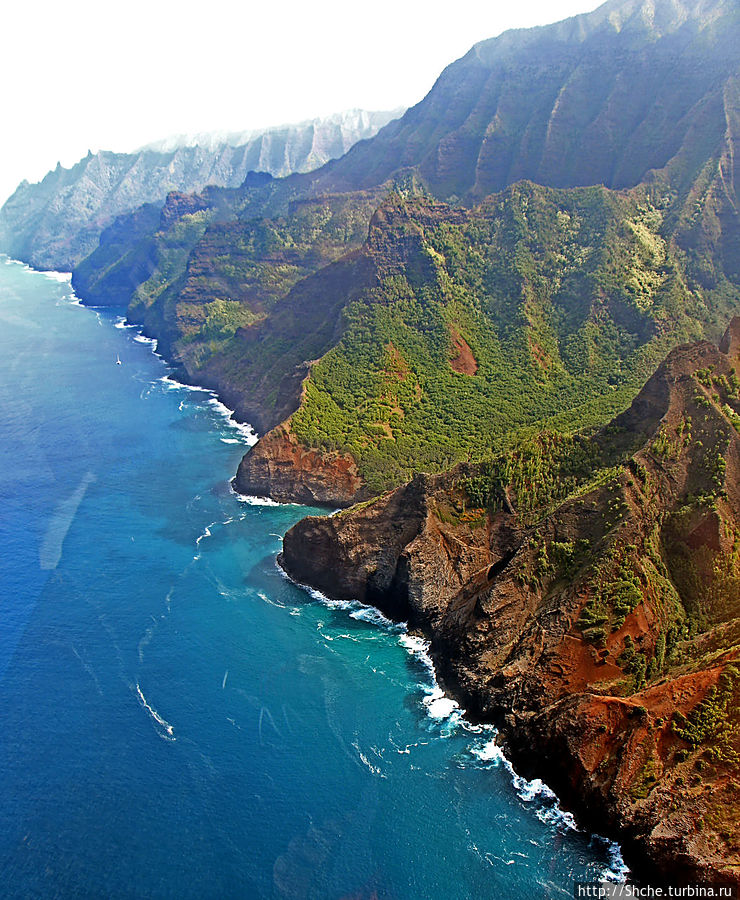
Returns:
(440, 708)
(375, 770)
(24, 266)
(374, 616)
(419, 647)
(617, 870)
(259, 501)
(447, 713)
(205, 534)
(557, 817)
(361, 612)
(265, 599)
(356, 610)
(530, 790)
(549, 812)
(57, 276)
(489, 752)
(248, 433)
(439, 705)
(173, 385)
(169, 731)
(142, 339)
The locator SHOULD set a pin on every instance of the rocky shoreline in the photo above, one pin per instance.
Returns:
(512, 640)
(508, 644)
(509, 651)
(505, 656)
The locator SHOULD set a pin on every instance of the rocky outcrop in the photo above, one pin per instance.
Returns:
(601, 634)
(280, 468)
(394, 552)
(730, 343)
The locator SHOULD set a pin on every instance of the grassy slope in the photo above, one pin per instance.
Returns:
(567, 300)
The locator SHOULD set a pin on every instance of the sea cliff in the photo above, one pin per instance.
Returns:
(438, 327)
(597, 623)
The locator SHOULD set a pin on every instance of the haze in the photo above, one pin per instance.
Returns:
(82, 75)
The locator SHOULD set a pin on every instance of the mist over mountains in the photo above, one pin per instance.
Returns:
(54, 224)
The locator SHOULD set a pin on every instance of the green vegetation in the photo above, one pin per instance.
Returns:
(173, 249)
(221, 319)
(258, 261)
(564, 300)
(715, 720)
(670, 442)
(646, 779)
(610, 604)
(519, 279)
(538, 471)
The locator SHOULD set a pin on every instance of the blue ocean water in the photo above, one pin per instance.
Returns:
(176, 718)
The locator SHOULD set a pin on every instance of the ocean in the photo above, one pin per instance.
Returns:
(179, 720)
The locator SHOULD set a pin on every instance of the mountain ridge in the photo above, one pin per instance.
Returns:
(57, 222)
(486, 111)
(687, 234)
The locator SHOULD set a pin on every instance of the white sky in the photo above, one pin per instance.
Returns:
(89, 74)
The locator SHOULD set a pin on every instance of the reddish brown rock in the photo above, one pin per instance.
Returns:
(463, 360)
(280, 468)
(179, 204)
(594, 710)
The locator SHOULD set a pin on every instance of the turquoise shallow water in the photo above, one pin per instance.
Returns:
(177, 719)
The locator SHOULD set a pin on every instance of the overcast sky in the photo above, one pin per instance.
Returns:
(83, 74)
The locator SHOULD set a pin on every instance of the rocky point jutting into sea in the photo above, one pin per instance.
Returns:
(500, 326)
(584, 596)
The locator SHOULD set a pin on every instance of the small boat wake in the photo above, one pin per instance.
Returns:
(164, 729)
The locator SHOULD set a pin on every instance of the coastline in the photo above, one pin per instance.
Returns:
(443, 702)
(420, 646)
(506, 746)
(509, 752)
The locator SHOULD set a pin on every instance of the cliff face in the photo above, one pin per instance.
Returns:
(450, 328)
(584, 595)
(389, 314)
(639, 90)
(601, 98)
(612, 97)
(394, 552)
(56, 223)
(282, 469)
